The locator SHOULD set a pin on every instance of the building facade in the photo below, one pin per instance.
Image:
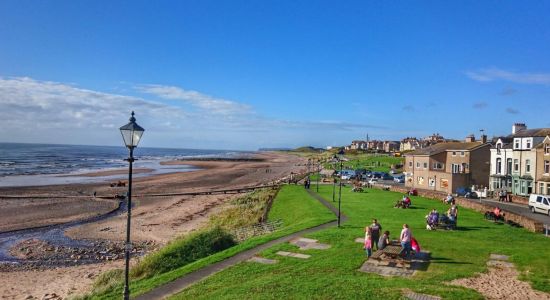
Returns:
(518, 161)
(445, 167)
(542, 176)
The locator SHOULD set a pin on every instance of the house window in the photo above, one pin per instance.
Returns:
(425, 165)
(546, 148)
(454, 153)
(417, 165)
(463, 167)
(410, 164)
(547, 166)
(431, 182)
(516, 144)
(523, 187)
(516, 186)
(516, 165)
(529, 144)
(509, 166)
(499, 146)
(420, 180)
(499, 166)
(547, 189)
(455, 168)
(461, 153)
(541, 188)
(527, 166)
(438, 166)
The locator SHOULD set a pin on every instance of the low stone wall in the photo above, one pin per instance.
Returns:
(525, 222)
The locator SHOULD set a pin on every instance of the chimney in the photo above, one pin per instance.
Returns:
(483, 139)
(470, 139)
(517, 127)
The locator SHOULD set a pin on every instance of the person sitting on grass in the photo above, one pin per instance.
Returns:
(432, 219)
(406, 202)
(384, 240)
(449, 199)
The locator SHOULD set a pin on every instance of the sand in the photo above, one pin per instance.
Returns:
(501, 282)
(158, 219)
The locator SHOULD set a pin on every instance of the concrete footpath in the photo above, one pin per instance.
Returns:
(183, 282)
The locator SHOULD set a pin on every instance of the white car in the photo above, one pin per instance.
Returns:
(539, 203)
(373, 181)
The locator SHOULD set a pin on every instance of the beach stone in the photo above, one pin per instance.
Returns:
(262, 260)
(499, 257)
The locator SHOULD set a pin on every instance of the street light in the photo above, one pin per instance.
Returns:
(318, 173)
(340, 158)
(131, 134)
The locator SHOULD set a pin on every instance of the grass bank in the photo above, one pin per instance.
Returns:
(292, 205)
(333, 273)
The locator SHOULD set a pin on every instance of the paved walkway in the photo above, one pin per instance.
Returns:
(520, 209)
(183, 282)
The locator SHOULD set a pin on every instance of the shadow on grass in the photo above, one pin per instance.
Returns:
(444, 260)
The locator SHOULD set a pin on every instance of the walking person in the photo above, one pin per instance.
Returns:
(405, 239)
(376, 229)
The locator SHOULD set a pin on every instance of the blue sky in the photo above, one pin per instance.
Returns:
(249, 74)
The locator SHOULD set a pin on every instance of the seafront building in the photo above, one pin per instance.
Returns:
(447, 166)
(518, 161)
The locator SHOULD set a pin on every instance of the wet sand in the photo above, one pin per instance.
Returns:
(157, 219)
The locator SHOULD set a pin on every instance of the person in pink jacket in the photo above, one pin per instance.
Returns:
(405, 239)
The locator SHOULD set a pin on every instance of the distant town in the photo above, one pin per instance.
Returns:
(516, 165)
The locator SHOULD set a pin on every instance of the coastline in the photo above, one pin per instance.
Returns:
(155, 219)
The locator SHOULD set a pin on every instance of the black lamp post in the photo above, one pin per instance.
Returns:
(318, 173)
(340, 158)
(334, 181)
(131, 134)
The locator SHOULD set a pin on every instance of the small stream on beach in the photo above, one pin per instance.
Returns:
(53, 234)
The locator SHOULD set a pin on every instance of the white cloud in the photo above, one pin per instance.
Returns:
(29, 103)
(45, 111)
(495, 74)
(202, 101)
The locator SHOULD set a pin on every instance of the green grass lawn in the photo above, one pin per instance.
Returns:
(373, 162)
(332, 273)
(293, 205)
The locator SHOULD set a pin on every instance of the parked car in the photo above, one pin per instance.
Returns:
(386, 176)
(392, 171)
(462, 191)
(539, 203)
(373, 181)
(399, 179)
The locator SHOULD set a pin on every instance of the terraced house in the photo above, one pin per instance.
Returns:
(447, 166)
(518, 160)
(542, 176)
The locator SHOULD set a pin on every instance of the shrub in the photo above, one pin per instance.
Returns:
(183, 251)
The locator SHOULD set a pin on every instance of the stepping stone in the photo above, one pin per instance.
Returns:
(292, 254)
(498, 257)
(417, 296)
(305, 244)
(306, 240)
(360, 240)
(499, 263)
(262, 260)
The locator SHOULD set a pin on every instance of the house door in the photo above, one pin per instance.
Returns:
(529, 187)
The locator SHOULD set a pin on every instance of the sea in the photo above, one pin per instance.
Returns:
(47, 164)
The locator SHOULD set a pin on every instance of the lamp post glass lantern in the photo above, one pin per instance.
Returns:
(131, 134)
